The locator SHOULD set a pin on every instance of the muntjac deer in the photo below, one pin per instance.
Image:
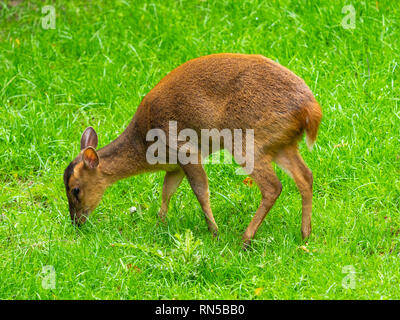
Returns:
(219, 91)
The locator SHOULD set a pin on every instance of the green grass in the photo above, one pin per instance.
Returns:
(95, 68)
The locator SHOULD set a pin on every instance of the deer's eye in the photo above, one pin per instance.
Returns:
(75, 192)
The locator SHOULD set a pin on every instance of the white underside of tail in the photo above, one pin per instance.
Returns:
(309, 142)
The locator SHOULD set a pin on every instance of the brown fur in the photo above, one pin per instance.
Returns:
(233, 91)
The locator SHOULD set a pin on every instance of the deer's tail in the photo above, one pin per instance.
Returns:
(312, 119)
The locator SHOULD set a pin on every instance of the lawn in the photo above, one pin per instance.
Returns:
(94, 68)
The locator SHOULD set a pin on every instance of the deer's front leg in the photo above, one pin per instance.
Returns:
(172, 180)
(197, 178)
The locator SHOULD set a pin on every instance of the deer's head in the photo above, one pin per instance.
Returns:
(83, 180)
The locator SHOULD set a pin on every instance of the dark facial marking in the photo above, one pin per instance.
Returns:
(75, 192)
(68, 173)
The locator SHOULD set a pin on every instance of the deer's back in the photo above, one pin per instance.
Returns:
(233, 91)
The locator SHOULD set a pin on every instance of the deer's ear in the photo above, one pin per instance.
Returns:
(89, 138)
(90, 158)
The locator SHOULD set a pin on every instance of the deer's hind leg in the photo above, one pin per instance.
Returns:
(270, 188)
(291, 161)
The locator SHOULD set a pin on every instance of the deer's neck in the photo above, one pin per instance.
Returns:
(123, 157)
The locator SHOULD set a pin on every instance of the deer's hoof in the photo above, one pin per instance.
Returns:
(215, 234)
(305, 233)
(246, 244)
(162, 217)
